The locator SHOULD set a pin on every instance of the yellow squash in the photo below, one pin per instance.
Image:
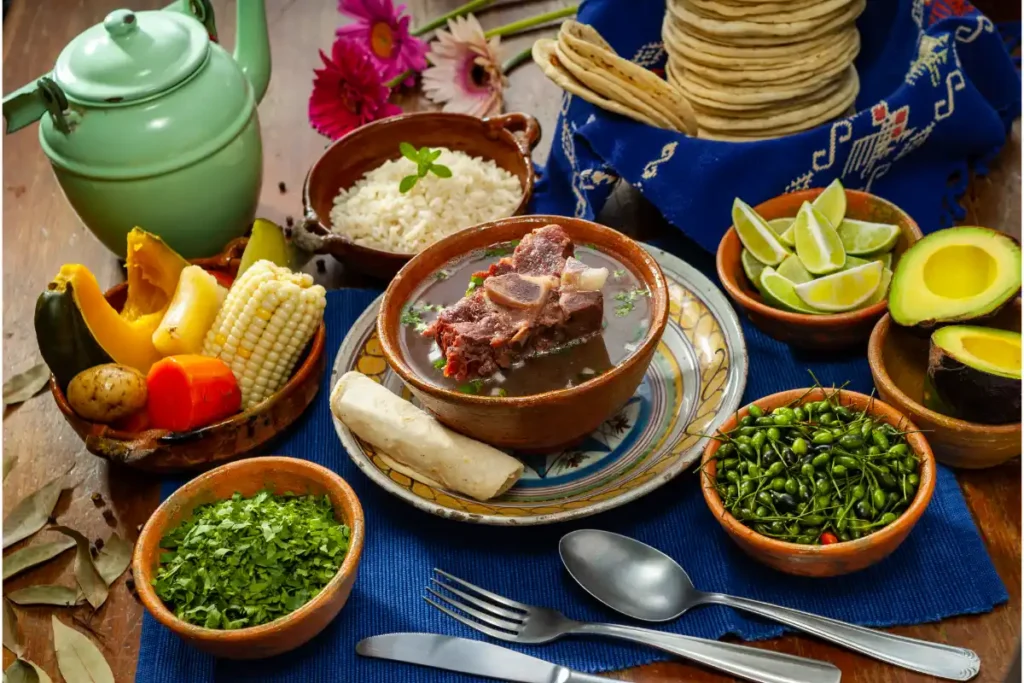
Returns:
(192, 311)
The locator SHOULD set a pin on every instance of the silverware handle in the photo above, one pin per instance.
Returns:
(752, 664)
(580, 677)
(943, 661)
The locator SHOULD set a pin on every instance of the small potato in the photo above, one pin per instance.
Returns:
(106, 393)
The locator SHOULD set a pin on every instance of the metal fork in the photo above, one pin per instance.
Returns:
(505, 619)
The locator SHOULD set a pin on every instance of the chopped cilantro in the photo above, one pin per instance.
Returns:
(502, 391)
(441, 275)
(243, 562)
(413, 315)
(474, 282)
(473, 386)
(627, 301)
(440, 363)
(621, 272)
(502, 249)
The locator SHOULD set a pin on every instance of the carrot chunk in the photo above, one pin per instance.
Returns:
(190, 391)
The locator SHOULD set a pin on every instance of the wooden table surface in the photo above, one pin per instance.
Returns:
(40, 232)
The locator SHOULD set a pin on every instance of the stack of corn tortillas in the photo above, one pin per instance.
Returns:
(583, 63)
(756, 69)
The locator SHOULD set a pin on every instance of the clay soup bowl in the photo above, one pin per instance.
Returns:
(507, 140)
(830, 331)
(160, 450)
(542, 422)
(899, 364)
(249, 477)
(837, 558)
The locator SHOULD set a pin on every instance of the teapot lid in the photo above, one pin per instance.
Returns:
(131, 56)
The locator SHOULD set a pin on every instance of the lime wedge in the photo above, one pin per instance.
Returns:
(779, 292)
(756, 235)
(794, 271)
(883, 288)
(752, 267)
(860, 237)
(842, 291)
(782, 226)
(853, 261)
(817, 243)
(787, 238)
(832, 202)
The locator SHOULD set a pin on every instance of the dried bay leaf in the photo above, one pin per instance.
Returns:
(24, 671)
(114, 558)
(24, 385)
(89, 580)
(9, 463)
(12, 637)
(31, 514)
(45, 594)
(78, 658)
(29, 557)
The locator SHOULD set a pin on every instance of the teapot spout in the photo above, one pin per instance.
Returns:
(252, 45)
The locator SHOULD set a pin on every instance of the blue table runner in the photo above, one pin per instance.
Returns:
(403, 545)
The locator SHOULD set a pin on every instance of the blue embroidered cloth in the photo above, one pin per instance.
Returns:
(939, 91)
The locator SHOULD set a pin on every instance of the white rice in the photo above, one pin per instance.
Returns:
(373, 213)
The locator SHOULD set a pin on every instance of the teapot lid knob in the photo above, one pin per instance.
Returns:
(121, 22)
(132, 56)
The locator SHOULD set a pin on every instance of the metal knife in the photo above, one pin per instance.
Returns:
(473, 657)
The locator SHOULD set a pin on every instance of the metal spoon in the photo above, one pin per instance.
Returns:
(644, 583)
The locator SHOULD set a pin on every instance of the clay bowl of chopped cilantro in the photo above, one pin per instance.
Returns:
(525, 332)
(253, 558)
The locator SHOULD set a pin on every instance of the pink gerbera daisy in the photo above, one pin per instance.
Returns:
(466, 70)
(383, 30)
(347, 92)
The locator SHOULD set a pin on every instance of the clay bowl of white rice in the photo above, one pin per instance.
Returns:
(355, 208)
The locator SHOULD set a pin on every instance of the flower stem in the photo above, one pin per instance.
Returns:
(400, 78)
(470, 6)
(513, 62)
(524, 24)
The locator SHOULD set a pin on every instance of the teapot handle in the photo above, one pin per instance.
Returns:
(30, 102)
(202, 10)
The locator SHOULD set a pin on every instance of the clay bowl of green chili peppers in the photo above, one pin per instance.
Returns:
(253, 558)
(818, 482)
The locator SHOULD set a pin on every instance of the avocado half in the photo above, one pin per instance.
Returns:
(974, 374)
(955, 275)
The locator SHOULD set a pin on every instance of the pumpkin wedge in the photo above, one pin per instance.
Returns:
(76, 328)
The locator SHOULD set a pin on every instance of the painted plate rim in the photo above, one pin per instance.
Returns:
(736, 382)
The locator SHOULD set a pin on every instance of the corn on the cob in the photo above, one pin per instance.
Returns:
(268, 317)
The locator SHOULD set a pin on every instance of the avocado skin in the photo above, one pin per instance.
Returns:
(969, 394)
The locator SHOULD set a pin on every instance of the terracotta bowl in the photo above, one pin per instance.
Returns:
(899, 365)
(507, 140)
(835, 331)
(837, 558)
(542, 422)
(160, 450)
(249, 477)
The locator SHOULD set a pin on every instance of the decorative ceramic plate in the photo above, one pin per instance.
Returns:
(694, 382)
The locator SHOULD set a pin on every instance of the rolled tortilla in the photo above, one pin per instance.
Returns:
(426, 450)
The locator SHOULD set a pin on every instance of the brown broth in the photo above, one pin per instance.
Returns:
(627, 318)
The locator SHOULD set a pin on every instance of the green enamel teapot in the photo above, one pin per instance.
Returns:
(148, 122)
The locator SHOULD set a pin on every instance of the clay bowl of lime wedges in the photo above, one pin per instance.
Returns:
(812, 268)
